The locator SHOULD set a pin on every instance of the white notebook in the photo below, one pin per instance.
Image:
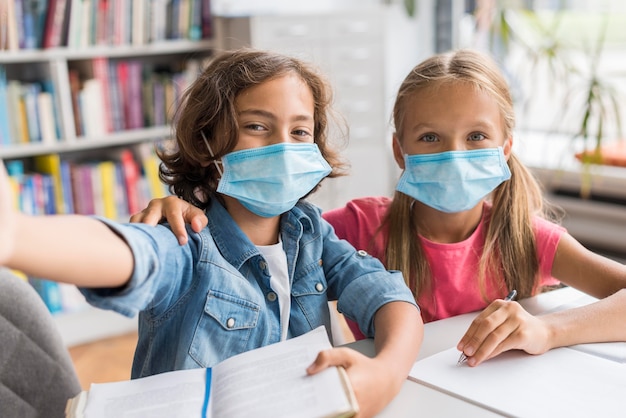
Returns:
(560, 383)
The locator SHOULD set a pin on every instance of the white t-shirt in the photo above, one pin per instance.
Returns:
(279, 281)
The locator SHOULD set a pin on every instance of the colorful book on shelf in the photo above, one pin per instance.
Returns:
(8, 28)
(101, 73)
(108, 195)
(116, 98)
(17, 111)
(207, 20)
(134, 95)
(47, 123)
(66, 183)
(74, 80)
(131, 173)
(29, 22)
(50, 164)
(47, 86)
(40, 10)
(151, 171)
(30, 92)
(237, 386)
(5, 127)
(56, 23)
(91, 102)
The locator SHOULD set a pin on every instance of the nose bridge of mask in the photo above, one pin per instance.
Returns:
(264, 163)
(206, 142)
(453, 166)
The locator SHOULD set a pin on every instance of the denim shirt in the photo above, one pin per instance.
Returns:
(210, 299)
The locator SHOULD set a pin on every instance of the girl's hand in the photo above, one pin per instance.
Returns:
(177, 212)
(373, 383)
(503, 326)
(7, 216)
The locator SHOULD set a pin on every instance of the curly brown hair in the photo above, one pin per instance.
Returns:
(208, 107)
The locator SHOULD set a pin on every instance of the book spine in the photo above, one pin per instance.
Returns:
(5, 129)
(46, 118)
(130, 174)
(30, 93)
(53, 34)
(108, 179)
(101, 73)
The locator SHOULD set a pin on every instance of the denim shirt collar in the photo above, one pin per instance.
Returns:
(235, 246)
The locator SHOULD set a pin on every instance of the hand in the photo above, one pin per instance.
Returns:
(373, 384)
(177, 212)
(7, 216)
(503, 326)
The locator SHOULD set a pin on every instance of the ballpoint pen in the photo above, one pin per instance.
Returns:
(508, 298)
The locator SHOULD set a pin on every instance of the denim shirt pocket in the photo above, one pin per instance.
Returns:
(309, 293)
(224, 328)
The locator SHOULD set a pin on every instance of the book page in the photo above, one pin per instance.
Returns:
(178, 394)
(272, 382)
(561, 382)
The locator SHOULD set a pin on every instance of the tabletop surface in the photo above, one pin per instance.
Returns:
(415, 398)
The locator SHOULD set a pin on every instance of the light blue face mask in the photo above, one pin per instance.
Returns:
(453, 181)
(270, 180)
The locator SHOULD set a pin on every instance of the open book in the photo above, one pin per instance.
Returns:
(270, 381)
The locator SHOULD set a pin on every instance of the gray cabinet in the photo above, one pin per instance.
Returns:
(348, 47)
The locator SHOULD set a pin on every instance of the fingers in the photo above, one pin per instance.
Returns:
(492, 332)
(177, 212)
(196, 217)
(333, 357)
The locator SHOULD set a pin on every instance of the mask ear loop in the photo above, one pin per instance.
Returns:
(219, 169)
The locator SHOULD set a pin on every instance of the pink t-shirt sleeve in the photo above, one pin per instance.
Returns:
(547, 237)
(357, 223)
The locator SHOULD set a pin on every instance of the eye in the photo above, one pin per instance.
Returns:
(302, 134)
(476, 136)
(429, 138)
(254, 127)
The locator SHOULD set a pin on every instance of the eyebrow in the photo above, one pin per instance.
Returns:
(269, 115)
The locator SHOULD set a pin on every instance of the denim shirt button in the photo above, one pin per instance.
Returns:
(271, 296)
(362, 253)
(262, 265)
(230, 322)
(319, 287)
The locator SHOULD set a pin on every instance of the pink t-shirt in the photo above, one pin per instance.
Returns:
(454, 266)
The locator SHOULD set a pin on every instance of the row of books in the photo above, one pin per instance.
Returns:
(107, 96)
(27, 111)
(116, 95)
(34, 24)
(111, 188)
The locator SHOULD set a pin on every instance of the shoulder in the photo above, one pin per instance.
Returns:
(544, 228)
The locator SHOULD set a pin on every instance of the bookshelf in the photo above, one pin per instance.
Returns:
(87, 83)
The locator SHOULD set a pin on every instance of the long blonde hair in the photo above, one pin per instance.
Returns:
(510, 250)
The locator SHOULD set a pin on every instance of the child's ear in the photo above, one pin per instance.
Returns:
(507, 147)
(398, 155)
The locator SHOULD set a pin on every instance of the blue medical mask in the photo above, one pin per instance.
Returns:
(453, 181)
(270, 180)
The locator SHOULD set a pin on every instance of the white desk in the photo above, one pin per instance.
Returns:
(416, 399)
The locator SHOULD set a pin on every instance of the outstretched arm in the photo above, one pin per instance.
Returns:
(376, 381)
(504, 326)
(177, 212)
(69, 248)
